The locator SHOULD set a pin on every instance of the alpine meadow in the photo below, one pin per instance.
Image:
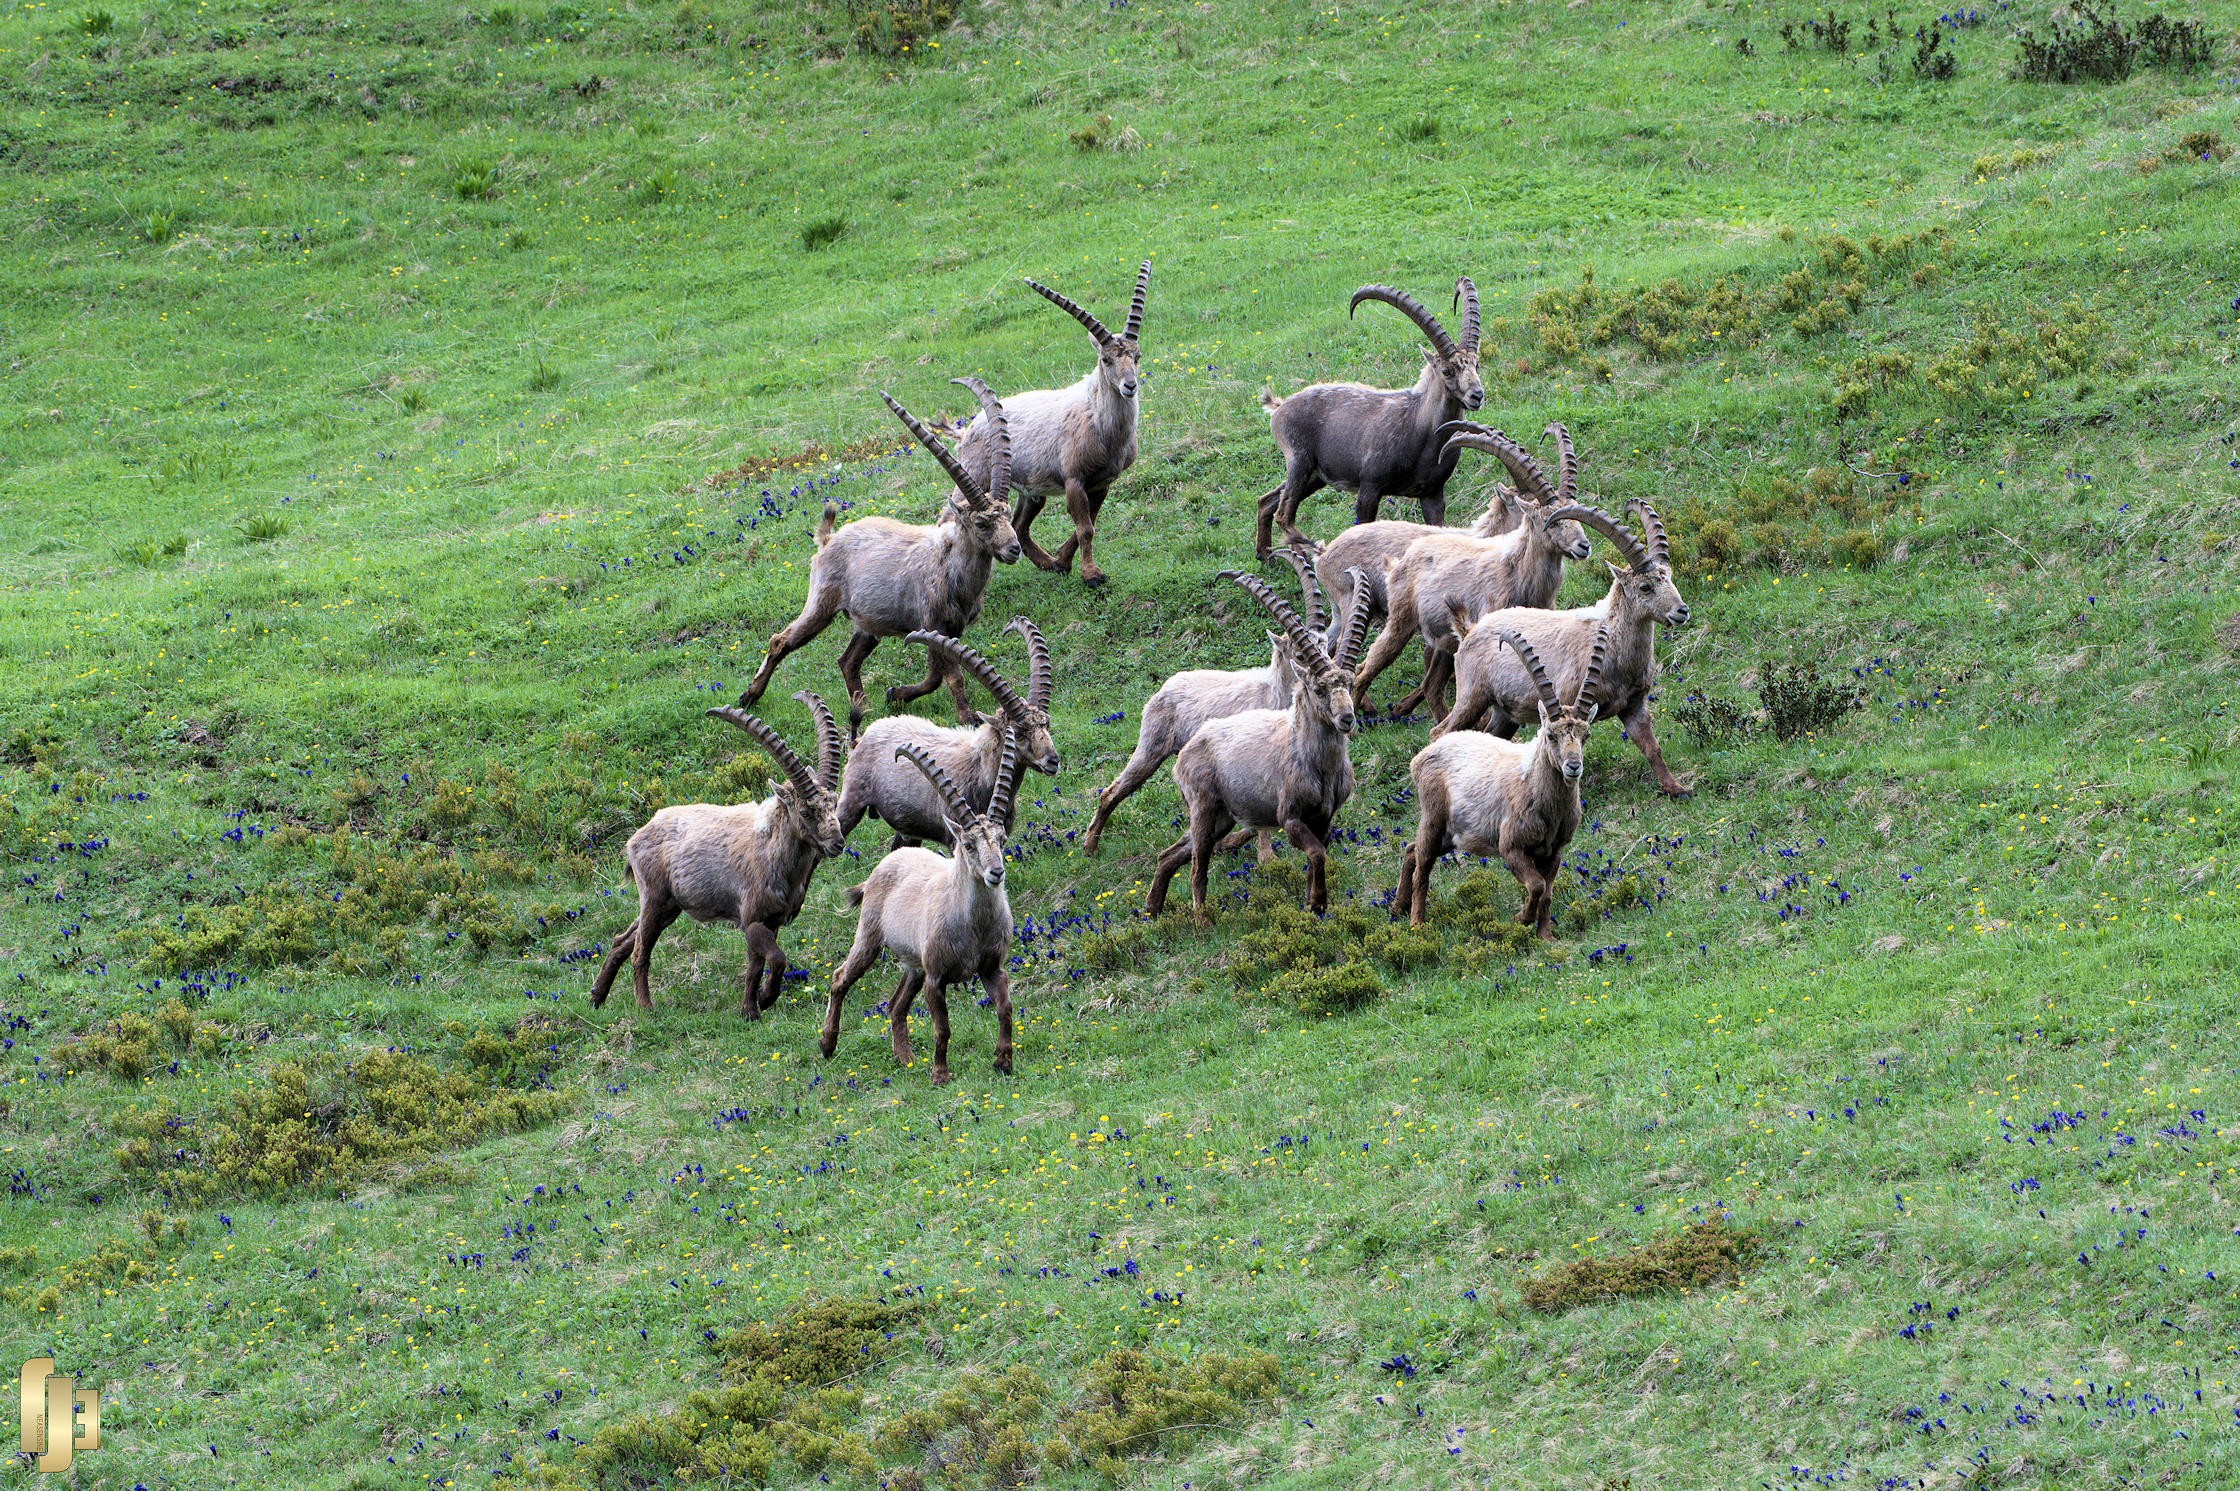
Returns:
(1806, 1054)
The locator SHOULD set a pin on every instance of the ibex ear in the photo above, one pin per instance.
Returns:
(1545, 719)
(1593, 712)
(1615, 572)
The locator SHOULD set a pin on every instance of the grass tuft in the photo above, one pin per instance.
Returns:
(1703, 1254)
(823, 232)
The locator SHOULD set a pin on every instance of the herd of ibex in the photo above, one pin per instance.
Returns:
(1256, 752)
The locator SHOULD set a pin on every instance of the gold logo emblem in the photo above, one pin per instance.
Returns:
(52, 1427)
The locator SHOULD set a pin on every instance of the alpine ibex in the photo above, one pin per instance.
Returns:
(1480, 794)
(1076, 440)
(1493, 688)
(1376, 442)
(880, 784)
(1268, 768)
(947, 919)
(1186, 701)
(1446, 573)
(893, 578)
(749, 864)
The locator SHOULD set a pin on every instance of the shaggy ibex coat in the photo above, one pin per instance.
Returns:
(946, 920)
(1495, 692)
(893, 578)
(748, 865)
(886, 786)
(1272, 769)
(1376, 442)
(1445, 574)
(1480, 794)
(1076, 440)
(1371, 548)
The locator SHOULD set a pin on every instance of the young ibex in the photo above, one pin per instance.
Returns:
(878, 783)
(1272, 769)
(749, 864)
(946, 920)
(1076, 440)
(1446, 573)
(1493, 684)
(1187, 700)
(1480, 794)
(1376, 442)
(897, 578)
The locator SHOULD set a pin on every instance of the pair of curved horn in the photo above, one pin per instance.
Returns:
(1542, 684)
(1304, 638)
(1464, 290)
(1590, 685)
(1407, 305)
(961, 812)
(1038, 664)
(1015, 709)
(1310, 589)
(999, 446)
(1523, 470)
(1659, 548)
(810, 784)
(1637, 557)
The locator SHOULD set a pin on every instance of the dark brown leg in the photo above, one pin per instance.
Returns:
(1404, 894)
(1082, 506)
(1399, 630)
(1365, 502)
(817, 611)
(1318, 858)
(774, 977)
(1535, 888)
(937, 1005)
(653, 920)
(860, 957)
(1643, 735)
(618, 952)
(1171, 859)
(1024, 509)
(998, 984)
(898, 1015)
(762, 946)
(852, 659)
(911, 693)
(1264, 522)
(1206, 828)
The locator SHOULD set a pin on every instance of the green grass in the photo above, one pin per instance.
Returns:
(370, 547)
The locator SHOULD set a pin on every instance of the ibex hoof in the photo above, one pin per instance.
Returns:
(940, 1076)
(1003, 1064)
(1092, 577)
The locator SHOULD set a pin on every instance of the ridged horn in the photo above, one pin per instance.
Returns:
(999, 439)
(1303, 639)
(1590, 686)
(1465, 291)
(830, 752)
(1310, 589)
(1131, 332)
(1523, 470)
(1637, 558)
(796, 769)
(1407, 305)
(1567, 463)
(970, 489)
(1094, 326)
(979, 667)
(1540, 680)
(1038, 663)
(1007, 778)
(1653, 526)
(960, 811)
(1357, 621)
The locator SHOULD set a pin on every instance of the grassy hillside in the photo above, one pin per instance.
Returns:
(415, 416)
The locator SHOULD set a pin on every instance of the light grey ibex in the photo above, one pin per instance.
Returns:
(747, 864)
(884, 785)
(1492, 687)
(1076, 440)
(1268, 768)
(893, 578)
(1446, 573)
(946, 920)
(1480, 794)
(1376, 442)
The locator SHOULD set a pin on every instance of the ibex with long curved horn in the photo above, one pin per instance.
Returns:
(887, 787)
(1447, 573)
(1480, 794)
(1376, 442)
(1269, 768)
(1187, 701)
(897, 578)
(1076, 440)
(1494, 689)
(947, 919)
(749, 864)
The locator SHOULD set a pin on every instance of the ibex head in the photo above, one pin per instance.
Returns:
(1323, 680)
(1546, 507)
(1457, 362)
(981, 511)
(1646, 581)
(1118, 357)
(808, 799)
